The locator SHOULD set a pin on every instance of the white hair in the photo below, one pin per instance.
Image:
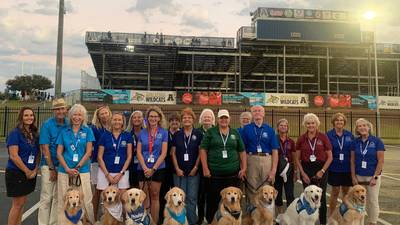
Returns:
(204, 112)
(311, 117)
(78, 108)
(363, 121)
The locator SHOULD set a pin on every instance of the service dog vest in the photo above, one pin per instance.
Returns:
(343, 209)
(236, 215)
(180, 218)
(139, 216)
(74, 218)
(304, 205)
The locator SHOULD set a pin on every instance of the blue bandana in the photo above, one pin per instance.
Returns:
(75, 218)
(343, 208)
(180, 218)
(137, 216)
(304, 205)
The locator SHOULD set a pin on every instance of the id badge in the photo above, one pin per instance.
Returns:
(135, 160)
(186, 157)
(31, 159)
(259, 149)
(73, 147)
(224, 154)
(364, 164)
(150, 159)
(341, 156)
(75, 158)
(116, 160)
(313, 158)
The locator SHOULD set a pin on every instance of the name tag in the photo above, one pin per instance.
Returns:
(341, 156)
(75, 158)
(185, 157)
(224, 154)
(116, 160)
(259, 149)
(150, 159)
(313, 158)
(135, 160)
(31, 159)
(364, 164)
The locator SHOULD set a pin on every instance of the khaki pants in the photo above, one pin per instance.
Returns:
(258, 168)
(372, 198)
(87, 193)
(47, 214)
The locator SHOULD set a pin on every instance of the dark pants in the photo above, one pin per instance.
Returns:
(201, 199)
(288, 186)
(215, 186)
(166, 185)
(311, 170)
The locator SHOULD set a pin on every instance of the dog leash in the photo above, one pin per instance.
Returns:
(248, 185)
(74, 180)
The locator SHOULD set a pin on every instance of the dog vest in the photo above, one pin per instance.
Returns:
(116, 211)
(236, 215)
(304, 205)
(74, 218)
(180, 218)
(250, 208)
(343, 208)
(139, 216)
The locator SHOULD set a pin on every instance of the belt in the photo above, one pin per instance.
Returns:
(258, 153)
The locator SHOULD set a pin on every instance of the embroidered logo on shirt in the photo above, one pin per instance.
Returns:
(194, 137)
(83, 135)
(265, 135)
(319, 142)
(123, 143)
(348, 139)
(372, 144)
(233, 137)
(159, 136)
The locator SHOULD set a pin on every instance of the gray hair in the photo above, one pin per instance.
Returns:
(244, 114)
(78, 108)
(311, 117)
(363, 121)
(204, 112)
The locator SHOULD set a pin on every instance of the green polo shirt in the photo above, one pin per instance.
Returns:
(213, 144)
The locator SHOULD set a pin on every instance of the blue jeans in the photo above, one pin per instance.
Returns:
(190, 185)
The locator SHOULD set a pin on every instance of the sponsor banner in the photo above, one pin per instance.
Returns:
(119, 96)
(339, 101)
(106, 95)
(153, 97)
(344, 101)
(254, 98)
(289, 100)
(389, 102)
(371, 100)
(200, 98)
(235, 98)
(262, 13)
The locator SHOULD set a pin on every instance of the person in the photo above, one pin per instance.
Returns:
(135, 125)
(100, 124)
(74, 147)
(223, 160)
(22, 164)
(168, 182)
(244, 119)
(286, 178)
(49, 132)
(261, 146)
(151, 153)
(366, 161)
(206, 121)
(313, 157)
(114, 156)
(185, 157)
(339, 175)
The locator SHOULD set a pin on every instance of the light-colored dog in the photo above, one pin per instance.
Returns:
(175, 211)
(303, 210)
(352, 210)
(112, 207)
(136, 214)
(264, 208)
(73, 208)
(229, 211)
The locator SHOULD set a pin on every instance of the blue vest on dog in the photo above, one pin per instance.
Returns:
(137, 216)
(304, 205)
(75, 218)
(180, 218)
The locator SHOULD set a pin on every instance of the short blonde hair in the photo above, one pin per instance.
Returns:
(204, 112)
(248, 114)
(78, 108)
(283, 120)
(336, 116)
(96, 120)
(129, 127)
(162, 123)
(311, 117)
(188, 111)
(363, 121)
(123, 119)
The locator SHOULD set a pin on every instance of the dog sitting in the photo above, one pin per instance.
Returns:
(352, 210)
(136, 214)
(73, 208)
(112, 206)
(262, 213)
(229, 212)
(175, 211)
(303, 210)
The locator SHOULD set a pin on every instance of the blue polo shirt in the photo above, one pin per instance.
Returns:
(24, 149)
(69, 140)
(337, 165)
(161, 137)
(107, 141)
(374, 145)
(253, 136)
(97, 132)
(48, 136)
(193, 144)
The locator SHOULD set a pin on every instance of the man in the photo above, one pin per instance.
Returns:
(262, 152)
(48, 136)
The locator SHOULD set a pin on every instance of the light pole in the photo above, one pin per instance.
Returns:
(57, 88)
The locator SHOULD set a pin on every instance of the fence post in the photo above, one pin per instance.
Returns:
(272, 122)
(351, 121)
(299, 115)
(37, 116)
(5, 121)
(376, 125)
(325, 121)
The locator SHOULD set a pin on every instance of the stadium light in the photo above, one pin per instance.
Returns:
(369, 15)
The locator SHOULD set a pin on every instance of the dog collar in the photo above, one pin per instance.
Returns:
(180, 218)
(116, 211)
(235, 214)
(74, 218)
(302, 204)
(269, 207)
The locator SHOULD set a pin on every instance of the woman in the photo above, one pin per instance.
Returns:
(367, 155)
(151, 153)
(244, 119)
(100, 124)
(339, 176)
(114, 156)
(23, 161)
(313, 157)
(223, 160)
(286, 151)
(185, 157)
(74, 147)
(135, 125)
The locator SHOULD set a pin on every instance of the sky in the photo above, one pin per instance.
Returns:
(28, 28)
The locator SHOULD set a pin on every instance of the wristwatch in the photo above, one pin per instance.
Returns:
(122, 172)
(376, 177)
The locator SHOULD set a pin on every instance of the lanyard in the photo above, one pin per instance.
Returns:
(187, 143)
(258, 136)
(284, 147)
(312, 146)
(224, 140)
(152, 140)
(365, 150)
(77, 139)
(115, 146)
(341, 143)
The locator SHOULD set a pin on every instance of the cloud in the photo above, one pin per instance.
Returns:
(148, 7)
(44, 7)
(197, 18)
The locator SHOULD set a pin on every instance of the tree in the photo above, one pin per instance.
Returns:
(29, 84)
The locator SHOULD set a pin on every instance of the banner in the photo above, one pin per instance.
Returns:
(344, 101)
(119, 96)
(235, 98)
(106, 96)
(289, 100)
(200, 98)
(254, 98)
(153, 97)
(389, 102)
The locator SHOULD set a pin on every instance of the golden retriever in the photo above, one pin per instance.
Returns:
(264, 208)
(112, 206)
(136, 214)
(73, 208)
(229, 212)
(352, 210)
(175, 212)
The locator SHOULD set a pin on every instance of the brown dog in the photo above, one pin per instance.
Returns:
(263, 211)
(73, 208)
(229, 212)
(352, 210)
(136, 214)
(112, 206)
(175, 212)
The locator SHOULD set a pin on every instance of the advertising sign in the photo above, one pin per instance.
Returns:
(201, 98)
(235, 98)
(254, 98)
(106, 96)
(289, 100)
(389, 102)
(153, 97)
(119, 96)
